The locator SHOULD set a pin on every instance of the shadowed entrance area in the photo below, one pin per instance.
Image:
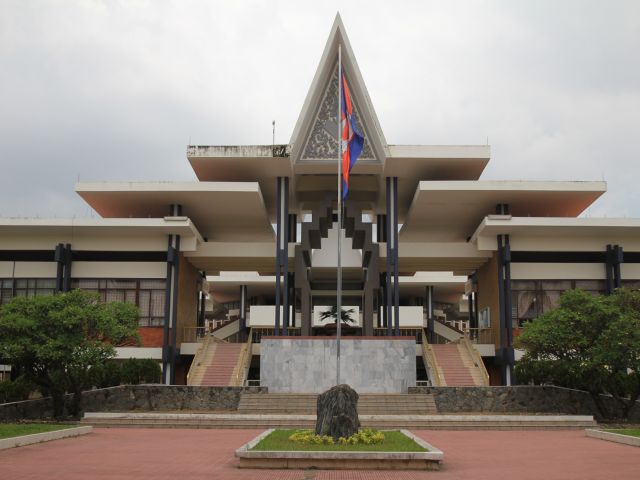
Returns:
(208, 454)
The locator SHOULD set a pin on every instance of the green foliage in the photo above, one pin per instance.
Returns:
(394, 441)
(366, 436)
(16, 390)
(9, 430)
(57, 339)
(332, 312)
(589, 343)
(135, 371)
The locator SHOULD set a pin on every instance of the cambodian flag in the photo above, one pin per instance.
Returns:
(352, 140)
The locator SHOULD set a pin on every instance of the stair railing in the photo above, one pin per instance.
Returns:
(195, 363)
(431, 364)
(244, 364)
(476, 358)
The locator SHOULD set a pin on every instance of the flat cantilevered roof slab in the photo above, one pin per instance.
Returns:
(451, 210)
(243, 163)
(220, 210)
(558, 234)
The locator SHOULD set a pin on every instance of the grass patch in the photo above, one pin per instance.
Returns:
(394, 441)
(8, 430)
(633, 432)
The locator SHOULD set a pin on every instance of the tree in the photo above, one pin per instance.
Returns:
(57, 339)
(333, 313)
(589, 343)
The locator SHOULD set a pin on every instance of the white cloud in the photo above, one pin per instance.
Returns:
(116, 90)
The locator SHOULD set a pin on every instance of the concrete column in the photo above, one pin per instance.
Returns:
(169, 353)
(243, 312)
(282, 255)
(431, 336)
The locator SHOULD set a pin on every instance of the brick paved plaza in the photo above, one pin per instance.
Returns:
(208, 454)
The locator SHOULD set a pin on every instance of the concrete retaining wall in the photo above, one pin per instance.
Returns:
(308, 364)
(524, 399)
(136, 397)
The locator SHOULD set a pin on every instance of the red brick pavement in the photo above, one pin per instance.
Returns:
(208, 454)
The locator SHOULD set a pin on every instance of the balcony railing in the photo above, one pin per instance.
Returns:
(258, 332)
(193, 334)
(404, 332)
(480, 335)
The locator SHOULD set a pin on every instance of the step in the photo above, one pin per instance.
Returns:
(454, 422)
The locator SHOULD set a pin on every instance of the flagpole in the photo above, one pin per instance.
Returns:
(339, 289)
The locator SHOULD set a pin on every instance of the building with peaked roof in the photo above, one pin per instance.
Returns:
(431, 251)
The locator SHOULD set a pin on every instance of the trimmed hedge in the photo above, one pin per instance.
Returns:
(133, 371)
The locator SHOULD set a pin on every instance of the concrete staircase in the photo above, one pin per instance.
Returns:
(217, 363)
(458, 367)
(305, 404)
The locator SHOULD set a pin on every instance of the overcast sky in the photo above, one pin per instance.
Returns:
(117, 90)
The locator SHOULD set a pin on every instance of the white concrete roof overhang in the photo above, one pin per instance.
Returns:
(447, 287)
(232, 211)
(242, 163)
(461, 258)
(451, 210)
(541, 233)
(101, 226)
(212, 257)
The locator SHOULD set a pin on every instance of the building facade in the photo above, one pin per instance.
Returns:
(431, 250)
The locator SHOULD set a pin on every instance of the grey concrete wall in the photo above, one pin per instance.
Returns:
(136, 397)
(308, 365)
(526, 399)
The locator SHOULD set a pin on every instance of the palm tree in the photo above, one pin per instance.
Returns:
(332, 312)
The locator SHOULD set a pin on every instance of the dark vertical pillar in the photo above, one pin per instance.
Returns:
(396, 283)
(283, 227)
(508, 299)
(243, 313)
(59, 257)
(381, 228)
(66, 281)
(503, 336)
(609, 270)
(504, 297)
(293, 228)
(169, 353)
(389, 237)
(618, 259)
(382, 320)
(279, 242)
(431, 334)
(203, 307)
(614, 257)
(305, 309)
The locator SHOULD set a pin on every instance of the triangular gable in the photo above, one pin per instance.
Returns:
(314, 137)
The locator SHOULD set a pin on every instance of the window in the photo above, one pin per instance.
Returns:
(25, 287)
(147, 295)
(531, 298)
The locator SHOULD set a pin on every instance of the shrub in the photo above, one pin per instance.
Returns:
(366, 436)
(140, 370)
(15, 390)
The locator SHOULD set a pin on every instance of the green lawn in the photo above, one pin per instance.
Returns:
(394, 441)
(8, 430)
(634, 432)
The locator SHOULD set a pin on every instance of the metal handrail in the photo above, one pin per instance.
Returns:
(431, 364)
(196, 358)
(245, 363)
(477, 359)
(193, 334)
(480, 335)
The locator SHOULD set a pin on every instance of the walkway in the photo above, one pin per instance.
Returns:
(208, 454)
